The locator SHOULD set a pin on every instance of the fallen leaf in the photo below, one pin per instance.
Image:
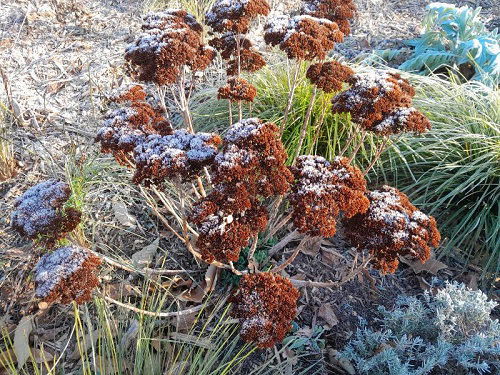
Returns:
(130, 335)
(144, 257)
(432, 265)
(89, 340)
(21, 340)
(122, 214)
(326, 312)
(312, 246)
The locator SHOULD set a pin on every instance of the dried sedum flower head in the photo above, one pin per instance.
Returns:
(227, 218)
(338, 11)
(235, 15)
(322, 190)
(266, 304)
(253, 152)
(380, 102)
(329, 76)
(303, 37)
(392, 227)
(249, 61)
(170, 40)
(127, 127)
(67, 274)
(40, 212)
(179, 155)
(128, 93)
(227, 44)
(250, 166)
(237, 89)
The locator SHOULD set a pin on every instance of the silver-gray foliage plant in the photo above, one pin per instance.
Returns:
(451, 332)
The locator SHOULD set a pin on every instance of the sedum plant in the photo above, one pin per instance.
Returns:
(449, 333)
(222, 191)
(455, 36)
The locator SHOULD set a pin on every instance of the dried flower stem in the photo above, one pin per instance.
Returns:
(318, 125)
(307, 117)
(161, 90)
(253, 248)
(290, 96)
(276, 227)
(230, 112)
(348, 143)
(284, 241)
(292, 257)
(381, 148)
(358, 146)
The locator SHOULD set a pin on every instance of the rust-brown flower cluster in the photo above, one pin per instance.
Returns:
(250, 166)
(40, 213)
(235, 15)
(180, 155)
(392, 227)
(322, 190)
(237, 89)
(329, 76)
(338, 11)
(266, 305)
(126, 127)
(303, 37)
(381, 103)
(67, 274)
(239, 53)
(170, 40)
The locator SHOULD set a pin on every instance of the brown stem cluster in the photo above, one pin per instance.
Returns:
(338, 11)
(266, 304)
(329, 76)
(323, 190)
(170, 40)
(381, 103)
(250, 166)
(392, 227)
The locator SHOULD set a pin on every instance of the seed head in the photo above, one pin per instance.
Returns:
(266, 304)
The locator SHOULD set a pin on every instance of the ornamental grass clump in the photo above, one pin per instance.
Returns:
(322, 190)
(392, 227)
(40, 213)
(67, 274)
(266, 304)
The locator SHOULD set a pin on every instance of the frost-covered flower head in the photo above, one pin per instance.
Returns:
(266, 304)
(322, 190)
(40, 212)
(67, 274)
(250, 166)
(329, 76)
(180, 155)
(239, 52)
(303, 37)
(338, 11)
(237, 89)
(381, 103)
(125, 128)
(235, 15)
(392, 227)
(170, 40)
